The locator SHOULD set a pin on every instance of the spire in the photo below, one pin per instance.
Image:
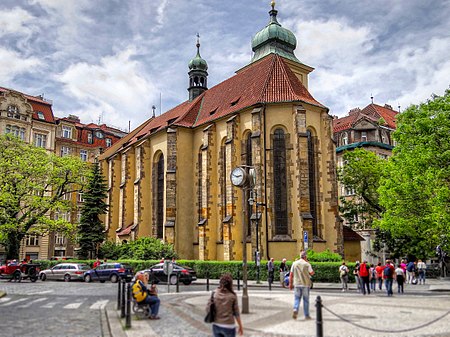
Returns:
(197, 74)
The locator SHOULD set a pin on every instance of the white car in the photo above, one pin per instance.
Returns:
(65, 271)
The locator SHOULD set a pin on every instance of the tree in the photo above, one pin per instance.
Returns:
(33, 184)
(416, 193)
(361, 174)
(91, 231)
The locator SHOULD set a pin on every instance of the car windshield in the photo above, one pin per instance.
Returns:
(84, 267)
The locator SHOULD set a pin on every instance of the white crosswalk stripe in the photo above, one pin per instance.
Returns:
(99, 305)
(5, 299)
(75, 305)
(14, 302)
(37, 300)
(49, 305)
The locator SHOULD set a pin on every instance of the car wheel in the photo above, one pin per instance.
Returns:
(87, 278)
(173, 279)
(43, 277)
(66, 278)
(114, 278)
(102, 281)
(17, 277)
(187, 282)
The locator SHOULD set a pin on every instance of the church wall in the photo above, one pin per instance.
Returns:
(146, 201)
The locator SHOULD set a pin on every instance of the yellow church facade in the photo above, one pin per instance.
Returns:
(170, 177)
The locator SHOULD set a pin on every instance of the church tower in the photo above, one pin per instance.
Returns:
(197, 74)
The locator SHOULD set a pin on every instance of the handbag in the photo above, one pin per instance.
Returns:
(211, 314)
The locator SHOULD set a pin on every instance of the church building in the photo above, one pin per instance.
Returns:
(171, 178)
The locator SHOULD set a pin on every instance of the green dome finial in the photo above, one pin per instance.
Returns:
(197, 62)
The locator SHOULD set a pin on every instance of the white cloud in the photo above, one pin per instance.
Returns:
(14, 64)
(115, 86)
(15, 21)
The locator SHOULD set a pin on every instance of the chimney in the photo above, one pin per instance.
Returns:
(74, 118)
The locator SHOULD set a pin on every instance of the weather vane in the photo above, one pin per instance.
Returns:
(272, 3)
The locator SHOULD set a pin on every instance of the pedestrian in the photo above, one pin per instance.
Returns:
(356, 275)
(300, 279)
(421, 267)
(400, 277)
(96, 263)
(403, 265)
(388, 276)
(105, 260)
(227, 309)
(373, 277)
(365, 277)
(143, 294)
(379, 269)
(270, 270)
(410, 272)
(343, 275)
(283, 270)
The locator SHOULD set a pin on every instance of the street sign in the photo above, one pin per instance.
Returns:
(305, 240)
(168, 267)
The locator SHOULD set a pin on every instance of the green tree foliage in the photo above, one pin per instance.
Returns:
(361, 174)
(145, 248)
(91, 229)
(33, 184)
(416, 193)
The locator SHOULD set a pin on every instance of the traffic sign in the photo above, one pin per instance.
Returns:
(305, 236)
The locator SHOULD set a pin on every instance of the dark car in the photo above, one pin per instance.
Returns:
(109, 272)
(157, 274)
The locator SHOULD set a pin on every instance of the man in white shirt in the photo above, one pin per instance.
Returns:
(300, 281)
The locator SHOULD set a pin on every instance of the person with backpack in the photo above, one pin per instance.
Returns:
(379, 269)
(421, 267)
(410, 271)
(365, 277)
(373, 277)
(144, 295)
(388, 276)
(343, 274)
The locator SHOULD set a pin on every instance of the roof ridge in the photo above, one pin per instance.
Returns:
(286, 75)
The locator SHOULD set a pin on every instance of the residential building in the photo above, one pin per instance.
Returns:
(370, 128)
(170, 177)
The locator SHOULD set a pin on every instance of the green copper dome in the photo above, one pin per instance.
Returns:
(197, 63)
(274, 39)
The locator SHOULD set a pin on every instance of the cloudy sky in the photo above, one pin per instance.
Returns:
(114, 59)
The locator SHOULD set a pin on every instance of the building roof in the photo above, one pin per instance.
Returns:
(372, 112)
(269, 80)
(38, 104)
(363, 144)
(351, 235)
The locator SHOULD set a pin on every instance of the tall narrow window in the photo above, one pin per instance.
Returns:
(224, 180)
(249, 162)
(312, 181)
(200, 187)
(280, 182)
(160, 198)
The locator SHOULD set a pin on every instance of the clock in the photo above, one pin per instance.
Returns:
(238, 177)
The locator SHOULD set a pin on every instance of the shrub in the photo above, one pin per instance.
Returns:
(145, 248)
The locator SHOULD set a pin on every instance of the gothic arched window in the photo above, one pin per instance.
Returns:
(344, 139)
(280, 182)
(160, 197)
(312, 181)
(200, 187)
(249, 162)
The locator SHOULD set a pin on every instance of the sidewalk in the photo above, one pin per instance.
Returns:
(271, 312)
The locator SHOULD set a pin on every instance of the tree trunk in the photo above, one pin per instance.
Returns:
(12, 245)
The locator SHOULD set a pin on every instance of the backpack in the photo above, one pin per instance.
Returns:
(343, 271)
(138, 293)
(363, 271)
(388, 272)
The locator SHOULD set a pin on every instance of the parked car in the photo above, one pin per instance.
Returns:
(109, 272)
(17, 272)
(157, 274)
(65, 271)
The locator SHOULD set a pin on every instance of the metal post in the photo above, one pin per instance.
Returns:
(319, 322)
(122, 304)
(245, 304)
(128, 316)
(119, 295)
(238, 280)
(207, 281)
(178, 282)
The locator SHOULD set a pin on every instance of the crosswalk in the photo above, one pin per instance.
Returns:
(49, 303)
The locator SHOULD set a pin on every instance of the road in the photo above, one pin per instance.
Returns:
(55, 308)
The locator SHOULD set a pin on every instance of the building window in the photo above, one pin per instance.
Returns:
(363, 136)
(41, 115)
(89, 136)
(32, 240)
(108, 142)
(65, 151)
(83, 155)
(348, 191)
(224, 177)
(344, 139)
(66, 196)
(40, 140)
(80, 197)
(66, 132)
(249, 162)
(200, 185)
(280, 182)
(16, 131)
(13, 112)
(312, 181)
(60, 240)
(99, 134)
(160, 197)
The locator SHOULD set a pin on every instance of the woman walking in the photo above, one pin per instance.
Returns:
(227, 309)
(343, 274)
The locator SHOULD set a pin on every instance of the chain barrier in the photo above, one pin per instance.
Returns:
(382, 330)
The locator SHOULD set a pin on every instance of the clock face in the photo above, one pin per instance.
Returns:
(238, 176)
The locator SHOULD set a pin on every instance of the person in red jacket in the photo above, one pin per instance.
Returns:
(365, 277)
(97, 263)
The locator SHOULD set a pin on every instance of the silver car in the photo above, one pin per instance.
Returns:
(65, 271)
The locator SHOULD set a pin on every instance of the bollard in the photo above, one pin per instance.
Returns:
(238, 280)
(319, 322)
(128, 316)
(122, 303)
(178, 282)
(207, 281)
(119, 296)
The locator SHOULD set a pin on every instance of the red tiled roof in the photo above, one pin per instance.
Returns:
(351, 235)
(38, 104)
(125, 231)
(268, 81)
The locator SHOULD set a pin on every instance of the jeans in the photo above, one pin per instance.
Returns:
(380, 283)
(223, 332)
(421, 276)
(299, 292)
(373, 284)
(153, 302)
(344, 282)
(388, 282)
(400, 281)
(365, 284)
